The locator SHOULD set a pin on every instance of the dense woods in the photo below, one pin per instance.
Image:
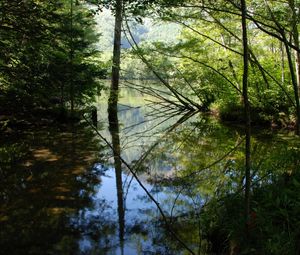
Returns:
(48, 56)
(44, 43)
(235, 61)
(205, 62)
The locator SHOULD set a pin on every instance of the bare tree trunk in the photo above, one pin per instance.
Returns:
(71, 63)
(114, 89)
(295, 35)
(247, 114)
(297, 65)
(294, 81)
(282, 63)
(113, 115)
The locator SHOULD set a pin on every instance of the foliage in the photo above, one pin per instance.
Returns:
(206, 60)
(274, 219)
(274, 222)
(45, 51)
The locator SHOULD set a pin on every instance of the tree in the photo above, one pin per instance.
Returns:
(114, 90)
(247, 112)
(209, 57)
(35, 62)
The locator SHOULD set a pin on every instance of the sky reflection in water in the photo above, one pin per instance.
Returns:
(58, 196)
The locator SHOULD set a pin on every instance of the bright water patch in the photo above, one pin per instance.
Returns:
(142, 221)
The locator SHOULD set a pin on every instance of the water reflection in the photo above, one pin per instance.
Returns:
(114, 131)
(58, 197)
(45, 179)
(185, 168)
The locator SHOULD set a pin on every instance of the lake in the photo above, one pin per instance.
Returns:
(65, 191)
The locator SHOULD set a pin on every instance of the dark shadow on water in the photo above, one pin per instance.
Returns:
(46, 178)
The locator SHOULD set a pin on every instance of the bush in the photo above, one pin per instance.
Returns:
(274, 221)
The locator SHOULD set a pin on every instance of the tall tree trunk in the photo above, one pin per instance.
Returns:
(294, 80)
(295, 36)
(114, 89)
(282, 63)
(113, 114)
(296, 75)
(297, 65)
(247, 113)
(71, 63)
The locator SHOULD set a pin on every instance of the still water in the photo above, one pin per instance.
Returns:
(64, 191)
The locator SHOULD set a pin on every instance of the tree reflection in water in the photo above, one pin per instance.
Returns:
(114, 131)
(54, 202)
(46, 178)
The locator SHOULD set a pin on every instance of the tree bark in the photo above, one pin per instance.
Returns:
(247, 113)
(295, 36)
(297, 65)
(114, 89)
(113, 114)
(71, 63)
(294, 82)
(282, 63)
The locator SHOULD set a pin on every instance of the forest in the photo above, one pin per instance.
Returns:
(149, 127)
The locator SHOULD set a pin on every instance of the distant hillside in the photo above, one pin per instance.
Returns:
(164, 32)
(149, 31)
